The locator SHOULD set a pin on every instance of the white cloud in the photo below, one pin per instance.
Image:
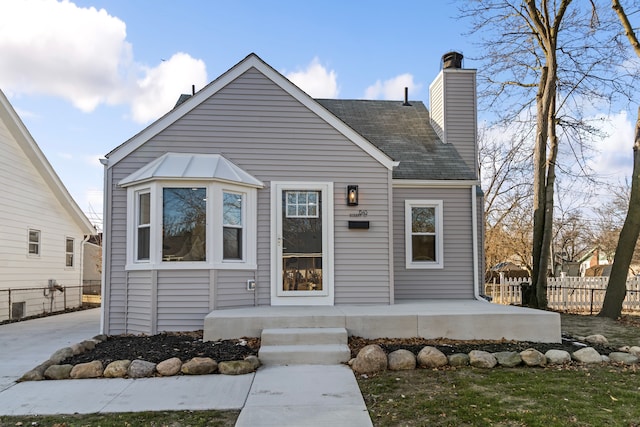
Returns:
(614, 160)
(393, 88)
(82, 55)
(160, 88)
(62, 50)
(316, 80)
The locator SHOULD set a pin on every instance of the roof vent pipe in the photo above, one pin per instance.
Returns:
(406, 97)
(193, 89)
(452, 60)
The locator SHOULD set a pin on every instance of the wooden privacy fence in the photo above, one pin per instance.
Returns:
(568, 294)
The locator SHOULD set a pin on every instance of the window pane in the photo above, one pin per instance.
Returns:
(144, 206)
(34, 242)
(33, 248)
(232, 209)
(423, 220)
(232, 243)
(423, 248)
(69, 250)
(144, 245)
(184, 213)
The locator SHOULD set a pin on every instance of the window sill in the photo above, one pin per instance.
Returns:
(189, 266)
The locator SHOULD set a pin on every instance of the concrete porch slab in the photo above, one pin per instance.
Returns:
(453, 319)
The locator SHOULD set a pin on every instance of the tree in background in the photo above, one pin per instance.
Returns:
(544, 62)
(617, 287)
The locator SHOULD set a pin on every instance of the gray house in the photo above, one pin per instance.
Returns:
(251, 193)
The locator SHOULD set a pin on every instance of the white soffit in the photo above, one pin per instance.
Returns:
(184, 166)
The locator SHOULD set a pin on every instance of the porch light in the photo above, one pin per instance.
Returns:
(352, 195)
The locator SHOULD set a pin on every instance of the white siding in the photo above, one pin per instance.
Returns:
(26, 201)
(266, 132)
(455, 280)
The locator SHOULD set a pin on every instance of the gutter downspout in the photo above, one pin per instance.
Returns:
(82, 256)
(105, 253)
(474, 237)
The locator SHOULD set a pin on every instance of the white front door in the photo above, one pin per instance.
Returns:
(302, 235)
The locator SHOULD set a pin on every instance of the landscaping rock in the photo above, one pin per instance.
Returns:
(88, 344)
(635, 350)
(87, 370)
(199, 366)
(370, 359)
(482, 359)
(596, 339)
(58, 372)
(587, 355)
(532, 357)
(557, 357)
(620, 357)
(458, 359)
(100, 337)
(61, 354)
(169, 367)
(141, 369)
(508, 359)
(117, 369)
(401, 360)
(255, 362)
(431, 357)
(77, 349)
(235, 367)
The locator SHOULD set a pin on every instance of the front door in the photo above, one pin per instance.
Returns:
(303, 239)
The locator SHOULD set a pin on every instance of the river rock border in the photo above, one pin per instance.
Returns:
(51, 369)
(372, 358)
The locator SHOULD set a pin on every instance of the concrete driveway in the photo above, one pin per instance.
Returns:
(24, 345)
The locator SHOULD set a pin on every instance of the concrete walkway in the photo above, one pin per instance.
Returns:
(313, 395)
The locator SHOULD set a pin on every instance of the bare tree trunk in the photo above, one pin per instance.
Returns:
(617, 287)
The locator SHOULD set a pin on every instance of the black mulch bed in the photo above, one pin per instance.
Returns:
(187, 345)
(156, 348)
(449, 347)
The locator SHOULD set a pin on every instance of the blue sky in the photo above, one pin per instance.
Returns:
(85, 76)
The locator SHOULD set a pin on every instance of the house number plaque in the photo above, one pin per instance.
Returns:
(361, 212)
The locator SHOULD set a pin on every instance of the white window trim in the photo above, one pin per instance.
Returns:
(439, 263)
(73, 253)
(214, 254)
(29, 254)
(136, 225)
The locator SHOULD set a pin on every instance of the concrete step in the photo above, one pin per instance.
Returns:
(304, 336)
(304, 346)
(318, 354)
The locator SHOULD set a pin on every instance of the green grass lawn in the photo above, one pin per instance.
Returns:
(594, 396)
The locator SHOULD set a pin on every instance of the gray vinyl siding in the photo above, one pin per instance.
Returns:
(453, 112)
(231, 288)
(263, 130)
(453, 281)
(139, 302)
(182, 299)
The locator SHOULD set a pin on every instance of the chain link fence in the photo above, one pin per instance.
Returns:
(19, 303)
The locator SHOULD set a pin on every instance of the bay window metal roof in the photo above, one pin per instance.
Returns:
(193, 167)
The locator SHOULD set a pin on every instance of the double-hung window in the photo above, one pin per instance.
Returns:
(143, 225)
(69, 252)
(232, 226)
(34, 242)
(423, 234)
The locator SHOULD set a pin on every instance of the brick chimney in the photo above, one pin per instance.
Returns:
(453, 108)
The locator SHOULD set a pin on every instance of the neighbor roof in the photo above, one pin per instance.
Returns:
(405, 134)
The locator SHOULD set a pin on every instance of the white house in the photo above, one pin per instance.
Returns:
(42, 229)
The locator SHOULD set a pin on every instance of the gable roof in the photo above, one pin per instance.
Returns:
(28, 145)
(251, 61)
(405, 134)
